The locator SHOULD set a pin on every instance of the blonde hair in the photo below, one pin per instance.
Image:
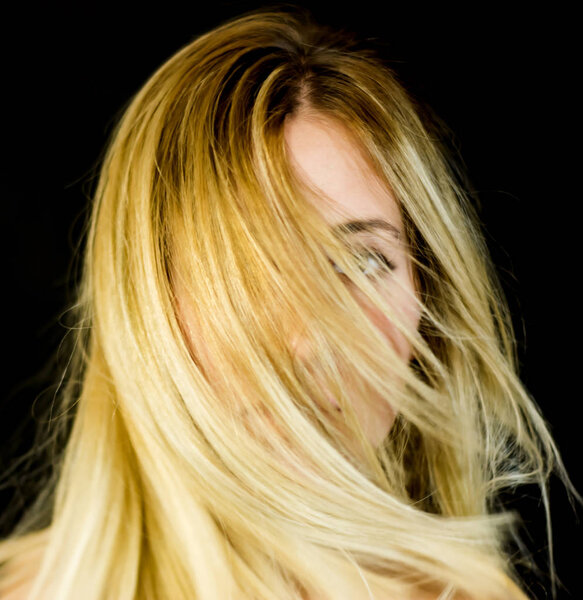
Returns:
(202, 461)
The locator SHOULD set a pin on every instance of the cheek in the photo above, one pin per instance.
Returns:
(401, 301)
(392, 333)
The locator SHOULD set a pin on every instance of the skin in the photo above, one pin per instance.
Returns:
(322, 153)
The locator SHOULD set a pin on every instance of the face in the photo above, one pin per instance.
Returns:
(323, 155)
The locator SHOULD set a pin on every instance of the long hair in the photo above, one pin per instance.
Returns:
(204, 460)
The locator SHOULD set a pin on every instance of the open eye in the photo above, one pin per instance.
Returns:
(370, 260)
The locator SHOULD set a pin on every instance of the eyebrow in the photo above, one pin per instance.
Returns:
(366, 225)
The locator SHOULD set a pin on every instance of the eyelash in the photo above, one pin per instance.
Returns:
(376, 254)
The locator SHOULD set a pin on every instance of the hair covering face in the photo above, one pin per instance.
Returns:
(221, 319)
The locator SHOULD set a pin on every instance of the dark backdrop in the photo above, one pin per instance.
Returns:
(502, 80)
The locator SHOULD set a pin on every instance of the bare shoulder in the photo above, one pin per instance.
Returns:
(21, 559)
(17, 578)
(16, 581)
(20, 592)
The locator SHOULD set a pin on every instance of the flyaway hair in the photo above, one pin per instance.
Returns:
(204, 460)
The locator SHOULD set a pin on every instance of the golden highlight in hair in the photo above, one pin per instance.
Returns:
(205, 460)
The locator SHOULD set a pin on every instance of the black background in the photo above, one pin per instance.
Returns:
(503, 80)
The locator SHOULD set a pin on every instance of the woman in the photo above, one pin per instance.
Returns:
(298, 374)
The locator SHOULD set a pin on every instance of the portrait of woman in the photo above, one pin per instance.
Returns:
(292, 370)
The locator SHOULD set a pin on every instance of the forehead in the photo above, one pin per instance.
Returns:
(324, 155)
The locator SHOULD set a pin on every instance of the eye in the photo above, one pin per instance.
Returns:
(370, 260)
